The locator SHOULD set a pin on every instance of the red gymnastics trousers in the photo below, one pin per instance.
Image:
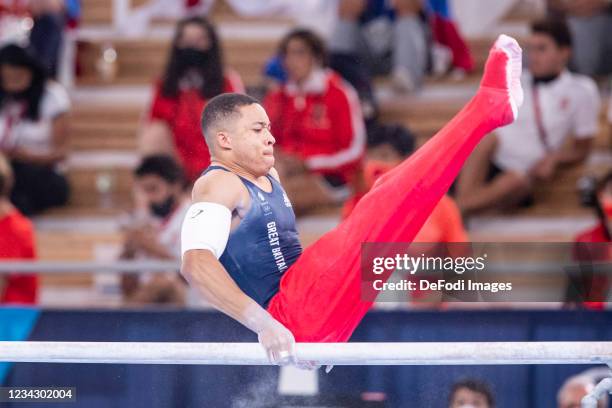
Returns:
(319, 298)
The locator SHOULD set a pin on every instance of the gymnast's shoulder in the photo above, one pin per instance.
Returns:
(218, 186)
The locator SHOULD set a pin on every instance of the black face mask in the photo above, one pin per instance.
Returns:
(546, 79)
(18, 96)
(192, 57)
(164, 208)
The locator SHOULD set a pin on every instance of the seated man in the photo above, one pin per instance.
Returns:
(240, 245)
(318, 125)
(155, 234)
(471, 394)
(574, 389)
(16, 242)
(560, 107)
(369, 29)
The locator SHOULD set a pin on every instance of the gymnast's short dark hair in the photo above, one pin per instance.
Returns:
(221, 108)
(163, 166)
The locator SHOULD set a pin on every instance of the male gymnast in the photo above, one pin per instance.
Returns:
(239, 241)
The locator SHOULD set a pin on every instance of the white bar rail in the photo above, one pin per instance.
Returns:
(447, 353)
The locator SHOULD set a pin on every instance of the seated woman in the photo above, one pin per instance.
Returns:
(194, 74)
(317, 123)
(33, 130)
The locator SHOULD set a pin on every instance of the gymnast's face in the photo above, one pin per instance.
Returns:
(250, 140)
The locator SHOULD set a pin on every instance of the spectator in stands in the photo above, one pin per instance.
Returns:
(446, 34)
(46, 36)
(591, 25)
(591, 288)
(471, 393)
(155, 234)
(574, 389)
(16, 242)
(387, 37)
(194, 74)
(599, 196)
(556, 126)
(317, 123)
(33, 130)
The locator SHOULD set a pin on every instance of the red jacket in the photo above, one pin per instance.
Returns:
(600, 283)
(182, 115)
(17, 242)
(321, 123)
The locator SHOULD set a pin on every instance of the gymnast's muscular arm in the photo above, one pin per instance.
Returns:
(204, 272)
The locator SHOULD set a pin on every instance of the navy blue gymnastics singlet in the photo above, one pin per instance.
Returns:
(265, 244)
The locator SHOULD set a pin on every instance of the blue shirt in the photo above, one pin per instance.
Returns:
(265, 244)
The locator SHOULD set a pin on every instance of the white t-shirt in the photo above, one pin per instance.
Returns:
(170, 230)
(569, 106)
(35, 137)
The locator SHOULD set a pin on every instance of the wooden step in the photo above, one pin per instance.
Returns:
(105, 127)
(140, 62)
(94, 136)
(87, 186)
(105, 136)
(71, 246)
(96, 12)
(100, 114)
(116, 127)
(100, 12)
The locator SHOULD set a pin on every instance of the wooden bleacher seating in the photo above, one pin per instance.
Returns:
(113, 128)
(140, 62)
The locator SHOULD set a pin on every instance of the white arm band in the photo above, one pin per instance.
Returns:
(206, 226)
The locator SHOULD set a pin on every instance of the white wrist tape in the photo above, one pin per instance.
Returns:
(206, 226)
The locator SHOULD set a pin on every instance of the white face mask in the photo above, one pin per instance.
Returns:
(467, 406)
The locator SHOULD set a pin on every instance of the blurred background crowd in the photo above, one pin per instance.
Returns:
(100, 138)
